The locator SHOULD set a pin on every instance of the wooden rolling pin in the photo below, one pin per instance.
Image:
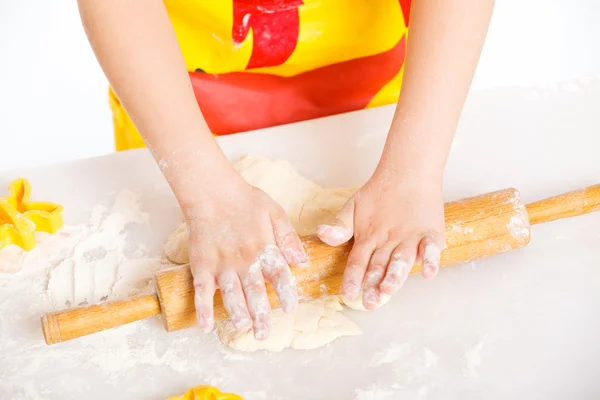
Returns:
(475, 227)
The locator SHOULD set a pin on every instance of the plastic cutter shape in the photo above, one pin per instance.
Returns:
(20, 217)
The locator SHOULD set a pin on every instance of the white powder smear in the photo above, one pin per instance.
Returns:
(374, 393)
(394, 353)
(101, 264)
(430, 359)
(518, 226)
(473, 360)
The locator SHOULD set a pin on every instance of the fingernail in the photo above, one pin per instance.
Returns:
(431, 260)
(351, 290)
(333, 232)
(429, 271)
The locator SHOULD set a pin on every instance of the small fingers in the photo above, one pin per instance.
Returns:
(341, 229)
(373, 277)
(278, 272)
(204, 287)
(288, 241)
(431, 254)
(234, 300)
(401, 262)
(359, 258)
(253, 284)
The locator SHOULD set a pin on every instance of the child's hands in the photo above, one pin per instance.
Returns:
(239, 239)
(395, 222)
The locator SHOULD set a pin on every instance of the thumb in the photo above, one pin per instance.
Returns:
(341, 229)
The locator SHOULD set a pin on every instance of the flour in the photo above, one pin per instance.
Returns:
(100, 264)
(374, 393)
(430, 359)
(11, 258)
(518, 226)
(81, 264)
(394, 353)
(460, 228)
(473, 360)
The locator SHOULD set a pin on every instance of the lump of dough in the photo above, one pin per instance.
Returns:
(280, 181)
(321, 208)
(314, 324)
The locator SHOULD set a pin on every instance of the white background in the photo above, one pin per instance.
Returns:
(53, 95)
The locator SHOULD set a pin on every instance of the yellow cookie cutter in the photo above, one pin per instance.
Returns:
(206, 393)
(20, 218)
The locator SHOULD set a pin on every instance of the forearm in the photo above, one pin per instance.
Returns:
(138, 51)
(444, 45)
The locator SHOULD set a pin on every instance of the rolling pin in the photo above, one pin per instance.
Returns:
(476, 227)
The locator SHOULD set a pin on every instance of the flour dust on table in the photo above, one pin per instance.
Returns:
(100, 264)
(316, 322)
(91, 262)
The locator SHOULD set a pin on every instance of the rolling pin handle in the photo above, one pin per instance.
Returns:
(572, 204)
(76, 322)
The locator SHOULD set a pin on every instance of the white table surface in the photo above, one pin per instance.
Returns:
(522, 325)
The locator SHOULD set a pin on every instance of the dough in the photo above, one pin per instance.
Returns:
(315, 322)
(307, 204)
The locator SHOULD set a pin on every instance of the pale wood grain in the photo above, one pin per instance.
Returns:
(73, 323)
(476, 227)
(566, 205)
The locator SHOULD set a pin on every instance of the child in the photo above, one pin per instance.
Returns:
(186, 69)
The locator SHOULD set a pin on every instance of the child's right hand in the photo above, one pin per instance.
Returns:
(239, 238)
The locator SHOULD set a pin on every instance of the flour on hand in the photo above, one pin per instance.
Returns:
(316, 322)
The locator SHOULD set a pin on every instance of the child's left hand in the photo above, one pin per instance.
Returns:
(396, 220)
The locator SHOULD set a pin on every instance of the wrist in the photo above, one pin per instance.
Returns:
(415, 154)
(199, 178)
(415, 171)
(210, 189)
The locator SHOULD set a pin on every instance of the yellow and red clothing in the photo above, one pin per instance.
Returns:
(260, 63)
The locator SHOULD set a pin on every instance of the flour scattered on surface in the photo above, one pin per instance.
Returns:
(97, 262)
(394, 353)
(11, 258)
(429, 357)
(374, 393)
(423, 391)
(473, 360)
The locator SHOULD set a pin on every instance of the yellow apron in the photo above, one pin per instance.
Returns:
(260, 63)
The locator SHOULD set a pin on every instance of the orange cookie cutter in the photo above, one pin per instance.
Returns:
(20, 217)
(206, 393)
